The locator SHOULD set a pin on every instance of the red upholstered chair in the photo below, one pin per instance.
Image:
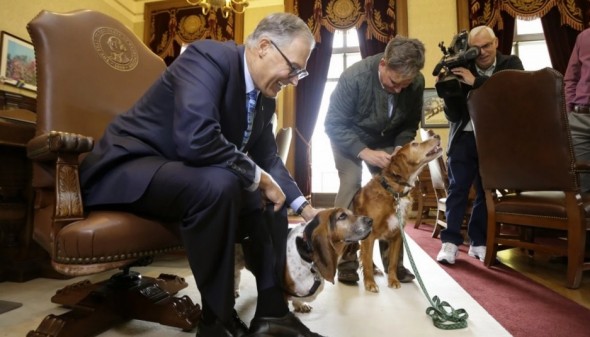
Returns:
(90, 67)
(525, 149)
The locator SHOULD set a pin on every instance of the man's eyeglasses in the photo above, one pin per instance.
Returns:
(295, 71)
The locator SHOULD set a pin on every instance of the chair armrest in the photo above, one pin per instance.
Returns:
(64, 149)
(48, 146)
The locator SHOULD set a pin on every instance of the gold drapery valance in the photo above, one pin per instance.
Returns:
(487, 12)
(171, 24)
(345, 14)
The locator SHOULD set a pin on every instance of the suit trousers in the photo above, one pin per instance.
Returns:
(215, 212)
(463, 171)
(580, 131)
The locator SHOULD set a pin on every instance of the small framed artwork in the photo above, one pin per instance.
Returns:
(433, 114)
(17, 62)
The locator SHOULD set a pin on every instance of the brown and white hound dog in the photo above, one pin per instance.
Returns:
(313, 251)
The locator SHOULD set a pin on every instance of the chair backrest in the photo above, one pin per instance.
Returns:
(522, 131)
(438, 169)
(284, 136)
(90, 68)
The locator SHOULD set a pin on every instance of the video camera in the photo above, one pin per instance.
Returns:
(459, 54)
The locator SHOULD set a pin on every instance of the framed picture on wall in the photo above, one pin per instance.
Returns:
(17, 62)
(433, 114)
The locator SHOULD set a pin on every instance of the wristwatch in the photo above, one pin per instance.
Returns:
(300, 209)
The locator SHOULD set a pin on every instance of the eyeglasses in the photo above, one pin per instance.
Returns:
(295, 71)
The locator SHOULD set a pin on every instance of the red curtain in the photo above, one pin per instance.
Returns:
(323, 18)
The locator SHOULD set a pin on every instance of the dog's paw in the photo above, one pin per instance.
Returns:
(394, 284)
(302, 307)
(371, 286)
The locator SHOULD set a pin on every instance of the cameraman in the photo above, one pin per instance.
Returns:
(463, 166)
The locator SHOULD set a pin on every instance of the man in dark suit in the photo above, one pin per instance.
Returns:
(198, 148)
(463, 164)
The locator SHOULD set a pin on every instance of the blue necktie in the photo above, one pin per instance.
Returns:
(251, 107)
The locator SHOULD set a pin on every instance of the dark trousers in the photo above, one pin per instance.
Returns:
(215, 212)
(463, 170)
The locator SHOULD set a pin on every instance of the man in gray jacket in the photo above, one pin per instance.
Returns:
(375, 107)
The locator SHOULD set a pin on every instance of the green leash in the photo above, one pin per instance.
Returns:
(442, 313)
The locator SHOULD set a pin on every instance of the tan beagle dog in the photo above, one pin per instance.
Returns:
(386, 199)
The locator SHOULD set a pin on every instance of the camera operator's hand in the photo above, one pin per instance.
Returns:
(464, 75)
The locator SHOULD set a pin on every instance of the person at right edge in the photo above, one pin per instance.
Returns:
(577, 97)
(462, 158)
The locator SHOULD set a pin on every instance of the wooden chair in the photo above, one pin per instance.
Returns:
(90, 68)
(283, 138)
(440, 184)
(524, 146)
(426, 198)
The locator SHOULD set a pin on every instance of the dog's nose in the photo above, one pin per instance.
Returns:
(368, 221)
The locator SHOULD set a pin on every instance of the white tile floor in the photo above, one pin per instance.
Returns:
(339, 311)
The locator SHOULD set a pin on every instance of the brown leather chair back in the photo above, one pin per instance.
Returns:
(522, 133)
(91, 68)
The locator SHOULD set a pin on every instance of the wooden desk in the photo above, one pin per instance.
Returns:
(21, 258)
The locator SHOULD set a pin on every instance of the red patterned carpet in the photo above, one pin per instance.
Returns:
(522, 307)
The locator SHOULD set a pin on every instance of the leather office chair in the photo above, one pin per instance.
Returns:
(283, 138)
(89, 68)
(525, 148)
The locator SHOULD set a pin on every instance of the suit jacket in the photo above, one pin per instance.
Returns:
(456, 107)
(194, 113)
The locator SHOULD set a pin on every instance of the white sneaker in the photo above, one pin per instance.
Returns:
(478, 252)
(448, 253)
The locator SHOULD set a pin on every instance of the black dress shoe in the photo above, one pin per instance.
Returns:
(347, 272)
(286, 326)
(215, 329)
(404, 275)
(239, 329)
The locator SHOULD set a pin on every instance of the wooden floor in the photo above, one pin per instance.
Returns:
(547, 271)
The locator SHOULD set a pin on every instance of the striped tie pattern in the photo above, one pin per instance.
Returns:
(251, 107)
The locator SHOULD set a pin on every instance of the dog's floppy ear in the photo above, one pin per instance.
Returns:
(324, 256)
